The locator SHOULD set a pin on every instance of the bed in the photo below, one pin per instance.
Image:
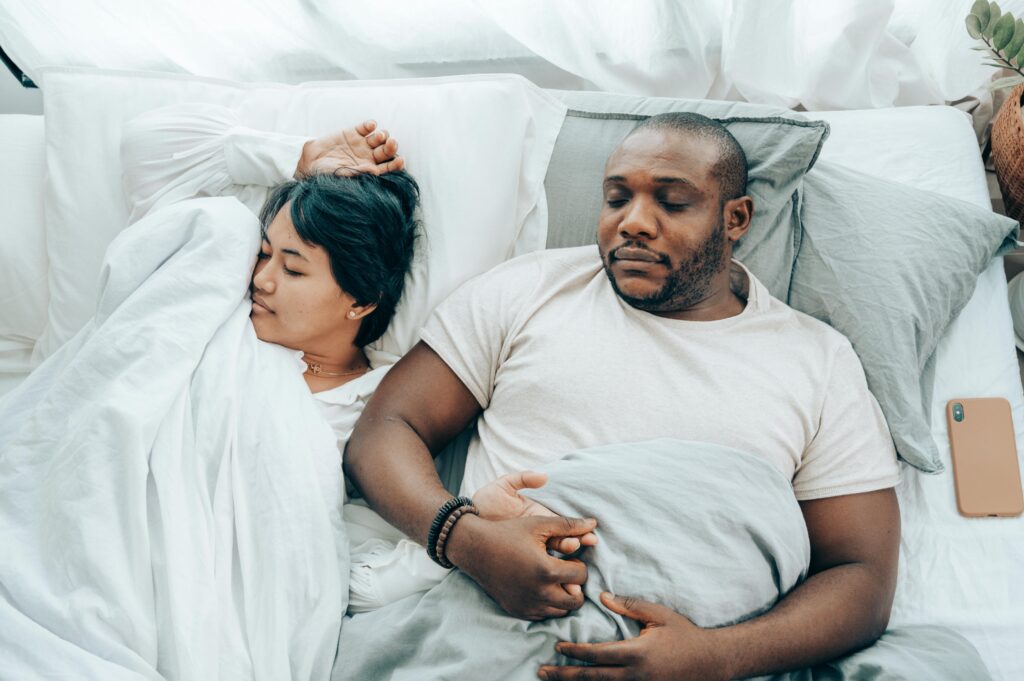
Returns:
(965, 574)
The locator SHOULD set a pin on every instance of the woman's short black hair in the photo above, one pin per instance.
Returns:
(367, 226)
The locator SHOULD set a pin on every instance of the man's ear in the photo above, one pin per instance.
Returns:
(736, 214)
(356, 312)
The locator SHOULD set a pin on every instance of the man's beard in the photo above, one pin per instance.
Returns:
(687, 284)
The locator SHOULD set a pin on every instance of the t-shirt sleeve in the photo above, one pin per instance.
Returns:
(471, 330)
(852, 451)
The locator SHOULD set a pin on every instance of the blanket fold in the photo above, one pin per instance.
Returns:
(169, 494)
(711, 532)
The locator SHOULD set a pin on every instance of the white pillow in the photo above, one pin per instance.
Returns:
(478, 146)
(23, 291)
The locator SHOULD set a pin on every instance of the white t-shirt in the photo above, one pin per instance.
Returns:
(559, 362)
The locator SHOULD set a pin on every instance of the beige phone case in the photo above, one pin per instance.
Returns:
(985, 466)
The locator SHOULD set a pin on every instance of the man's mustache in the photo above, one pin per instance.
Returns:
(655, 256)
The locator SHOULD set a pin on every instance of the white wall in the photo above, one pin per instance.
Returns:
(16, 99)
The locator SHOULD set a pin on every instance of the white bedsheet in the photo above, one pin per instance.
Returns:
(183, 518)
(967, 574)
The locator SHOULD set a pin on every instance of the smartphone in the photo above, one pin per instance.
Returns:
(986, 471)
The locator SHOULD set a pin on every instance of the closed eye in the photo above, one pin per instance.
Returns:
(674, 207)
(262, 256)
(616, 203)
(292, 273)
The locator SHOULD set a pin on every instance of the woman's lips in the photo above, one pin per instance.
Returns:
(257, 304)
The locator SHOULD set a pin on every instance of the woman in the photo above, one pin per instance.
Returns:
(338, 225)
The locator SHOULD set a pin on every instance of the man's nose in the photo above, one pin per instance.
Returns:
(639, 220)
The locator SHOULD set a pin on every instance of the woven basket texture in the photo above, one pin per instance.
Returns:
(1008, 153)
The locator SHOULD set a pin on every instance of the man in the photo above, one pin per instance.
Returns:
(655, 333)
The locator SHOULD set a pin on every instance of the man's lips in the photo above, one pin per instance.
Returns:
(256, 300)
(633, 254)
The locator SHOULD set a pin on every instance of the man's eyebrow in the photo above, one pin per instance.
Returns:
(619, 179)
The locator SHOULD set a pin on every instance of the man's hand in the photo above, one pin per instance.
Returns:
(353, 151)
(509, 560)
(669, 647)
(500, 500)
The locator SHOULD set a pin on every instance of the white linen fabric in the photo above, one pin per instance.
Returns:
(170, 496)
(559, 362)
(846, 54)
(963, 573)
(478, 146)
(23, 265)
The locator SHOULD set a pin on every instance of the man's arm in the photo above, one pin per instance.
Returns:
(418, 407)
(843, 606)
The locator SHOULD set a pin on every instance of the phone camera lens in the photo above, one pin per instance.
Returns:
(958, 412)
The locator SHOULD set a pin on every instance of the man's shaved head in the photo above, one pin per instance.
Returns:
(731, 167)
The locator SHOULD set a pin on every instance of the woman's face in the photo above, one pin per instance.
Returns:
(296, 301)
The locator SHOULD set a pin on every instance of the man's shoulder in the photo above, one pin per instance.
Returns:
(805, 331)
(543, 268)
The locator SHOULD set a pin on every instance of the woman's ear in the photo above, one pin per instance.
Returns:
(359, 311)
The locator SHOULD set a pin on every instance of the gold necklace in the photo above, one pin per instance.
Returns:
(316, 369)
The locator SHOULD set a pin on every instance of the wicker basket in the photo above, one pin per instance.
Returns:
(1008, 153)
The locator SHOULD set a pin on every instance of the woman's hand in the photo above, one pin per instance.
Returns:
(353, 151)
(500, 500)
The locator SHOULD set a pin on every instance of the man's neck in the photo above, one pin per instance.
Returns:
(728, 295)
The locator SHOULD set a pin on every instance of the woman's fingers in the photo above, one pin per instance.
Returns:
(386, 151)
(366, 127)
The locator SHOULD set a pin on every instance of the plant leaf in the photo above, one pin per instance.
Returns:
(973, 24)
(1003, 32)
(980, 9)
(1020, 57)
(992, 63)
(1009, 81)
(1017, 41)
(993, 19)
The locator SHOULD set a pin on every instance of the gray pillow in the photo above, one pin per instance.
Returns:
(891, 267)
(780, 148)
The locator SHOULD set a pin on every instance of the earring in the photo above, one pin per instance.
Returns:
(352, 314)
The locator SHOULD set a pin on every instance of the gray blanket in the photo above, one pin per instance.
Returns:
(712, 532)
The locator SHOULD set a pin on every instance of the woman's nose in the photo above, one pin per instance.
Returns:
(261, 279)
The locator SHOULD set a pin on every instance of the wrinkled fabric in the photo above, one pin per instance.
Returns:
(170, 496)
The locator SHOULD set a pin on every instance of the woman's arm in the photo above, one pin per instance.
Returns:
(191, 150)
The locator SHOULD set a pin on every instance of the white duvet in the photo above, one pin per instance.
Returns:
(169, 494)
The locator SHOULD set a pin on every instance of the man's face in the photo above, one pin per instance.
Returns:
(661, 233)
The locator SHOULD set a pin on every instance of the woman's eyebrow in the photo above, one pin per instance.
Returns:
(286, 251)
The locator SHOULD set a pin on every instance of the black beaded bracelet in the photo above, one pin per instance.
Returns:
(446, 510)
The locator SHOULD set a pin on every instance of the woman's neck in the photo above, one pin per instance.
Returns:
(324, 372)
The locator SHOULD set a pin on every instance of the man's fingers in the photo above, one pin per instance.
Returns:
(612, 652)
(567, 545)
(564, 571)
(565, 527)
(637, 609)
(557, 596)
(550, 673)
(524, 480)
(366, 127)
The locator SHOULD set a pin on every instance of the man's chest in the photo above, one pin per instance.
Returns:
(575, 381)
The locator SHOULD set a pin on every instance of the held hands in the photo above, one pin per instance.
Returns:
(353, 151)
(669, 647)
(509, 560)
(500, 500)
